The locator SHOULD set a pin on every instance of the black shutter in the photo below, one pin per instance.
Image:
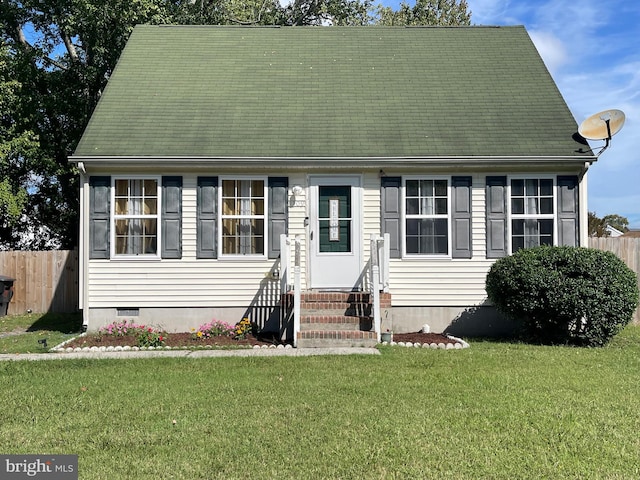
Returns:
(171, 217)
(496, 202)
(99, 216)
(568, 212)
(390, 213)
(277, 214)
(461, 217)
(207, 217)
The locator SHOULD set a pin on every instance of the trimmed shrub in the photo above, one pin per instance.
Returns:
(573, 295)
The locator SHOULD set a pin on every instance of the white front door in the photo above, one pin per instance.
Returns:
(335, 243)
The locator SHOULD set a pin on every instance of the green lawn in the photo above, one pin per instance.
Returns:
(495, 410)
(21, 333)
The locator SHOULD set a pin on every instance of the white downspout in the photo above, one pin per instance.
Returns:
(83, 246)
(584, 209)
(296, 291)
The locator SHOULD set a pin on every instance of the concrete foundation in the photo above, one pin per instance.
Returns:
(461, 321)
(479, 321)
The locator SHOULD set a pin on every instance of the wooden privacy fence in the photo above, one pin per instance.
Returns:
(627, 249)
(46, 281)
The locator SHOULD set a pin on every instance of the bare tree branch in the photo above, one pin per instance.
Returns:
(71, 48)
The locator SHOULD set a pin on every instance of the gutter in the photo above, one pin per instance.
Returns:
(307, 163)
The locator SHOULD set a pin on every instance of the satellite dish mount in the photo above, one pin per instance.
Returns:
(602, 126)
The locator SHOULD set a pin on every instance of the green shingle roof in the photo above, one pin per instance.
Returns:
(330, 92)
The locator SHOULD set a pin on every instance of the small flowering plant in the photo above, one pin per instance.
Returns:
(214, 328)
(149, 337)
(243, 328)
(119, 329)
(145, 336)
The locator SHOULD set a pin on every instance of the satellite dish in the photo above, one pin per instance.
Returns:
(602, 126)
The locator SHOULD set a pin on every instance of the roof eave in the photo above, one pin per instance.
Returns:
(313, 163)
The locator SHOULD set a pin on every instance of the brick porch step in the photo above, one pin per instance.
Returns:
(334, 322)
(336, 338)
(336, 319)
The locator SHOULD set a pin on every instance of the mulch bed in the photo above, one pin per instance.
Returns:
(172, 340)
(187, 340)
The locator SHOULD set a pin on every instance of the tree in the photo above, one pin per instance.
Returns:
(617, 221)
(60, 69)
(598, 226)
(57, 56)
(16, 146)
(427, 12)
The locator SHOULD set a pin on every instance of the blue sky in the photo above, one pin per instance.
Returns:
(592, 49)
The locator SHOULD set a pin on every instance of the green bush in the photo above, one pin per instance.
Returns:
(573, 295)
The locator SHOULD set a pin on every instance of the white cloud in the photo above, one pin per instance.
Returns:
(550, 48)
(486, 12)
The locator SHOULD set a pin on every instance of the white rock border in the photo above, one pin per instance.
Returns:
(434, 346)
(62, 348)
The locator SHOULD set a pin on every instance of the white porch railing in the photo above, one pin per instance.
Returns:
(379, 275)
(290, 276)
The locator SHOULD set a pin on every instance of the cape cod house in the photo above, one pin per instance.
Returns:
(239, 171)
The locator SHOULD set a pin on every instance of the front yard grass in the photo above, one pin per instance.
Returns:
(496, 410)
(21, 333)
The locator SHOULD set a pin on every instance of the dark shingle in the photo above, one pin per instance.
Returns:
(330, 92)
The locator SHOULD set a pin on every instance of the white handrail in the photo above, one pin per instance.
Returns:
(297, 285)
(285, 264)
(385, 252)
(375, 283)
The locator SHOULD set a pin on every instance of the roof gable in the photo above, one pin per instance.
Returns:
(312, 92)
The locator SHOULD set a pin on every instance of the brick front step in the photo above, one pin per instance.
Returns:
(325, 322)
(336, 338)
(336, 308)
(343, 297)
(337, 319)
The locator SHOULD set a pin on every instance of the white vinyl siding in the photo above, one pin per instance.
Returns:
(297, 215)
(433, 281)
(189, 282)
(185, 282)
(189, 230)
(371, 212)
(193, 282)
(179, 283)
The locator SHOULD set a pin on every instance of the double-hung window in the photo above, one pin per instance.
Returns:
(426, 212)
(242, 217)
(135, 216)
(532, 212)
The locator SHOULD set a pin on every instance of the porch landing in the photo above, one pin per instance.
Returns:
(338, 319)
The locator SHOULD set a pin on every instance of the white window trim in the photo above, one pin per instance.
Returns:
(112, 219)
(403, 207)
(511, 216)
(265, 186)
